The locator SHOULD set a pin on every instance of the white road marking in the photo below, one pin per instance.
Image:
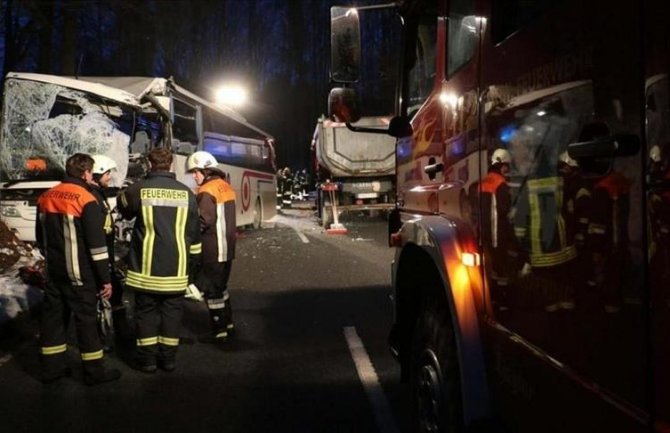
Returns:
(301, 235)
(5, 359)
(370, 382)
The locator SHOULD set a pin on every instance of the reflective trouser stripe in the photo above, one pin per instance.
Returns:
(214, 304)
(91, 356)
(147, 341)
(53, 350)
(168, 341)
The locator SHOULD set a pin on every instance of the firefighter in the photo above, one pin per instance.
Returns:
(102, 175)
(287, 178)
(575, 212)
(608, 236)
(659, 225)
(71, 236)
(497, 231)
(540, 227)
(216, 202)
(280, 189)
(165, 240)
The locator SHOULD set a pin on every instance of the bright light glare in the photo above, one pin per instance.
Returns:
(470, 259)
(232, 96)
(448, 98)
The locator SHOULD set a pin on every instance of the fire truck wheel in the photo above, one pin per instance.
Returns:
(434, 376)
(258, 214)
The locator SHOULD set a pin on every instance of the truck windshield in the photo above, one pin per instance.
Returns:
(45, 123)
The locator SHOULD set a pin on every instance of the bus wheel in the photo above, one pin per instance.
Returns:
(434, 375)
(258, 214)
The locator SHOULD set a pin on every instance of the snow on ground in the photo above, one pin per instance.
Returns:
(15, 295)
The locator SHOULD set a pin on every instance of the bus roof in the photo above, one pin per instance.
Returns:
(131, 90)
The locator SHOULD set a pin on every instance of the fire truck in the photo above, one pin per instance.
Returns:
(531, 279)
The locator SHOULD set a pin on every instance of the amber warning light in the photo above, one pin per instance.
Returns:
(470, 259)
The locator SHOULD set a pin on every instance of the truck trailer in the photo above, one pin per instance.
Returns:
(358, 167)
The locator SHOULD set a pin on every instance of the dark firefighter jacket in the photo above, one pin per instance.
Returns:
(216, 201)
(540, 224)
(608, 227)
(107, 216)
(165, 235)
(70, 233)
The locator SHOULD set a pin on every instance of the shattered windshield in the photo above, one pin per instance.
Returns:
(43, 124)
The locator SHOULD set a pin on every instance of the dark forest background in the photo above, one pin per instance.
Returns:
(279, 49)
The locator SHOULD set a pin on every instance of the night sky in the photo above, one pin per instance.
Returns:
(279, 49)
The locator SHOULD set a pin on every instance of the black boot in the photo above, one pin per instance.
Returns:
(96, 373)
(228, 313)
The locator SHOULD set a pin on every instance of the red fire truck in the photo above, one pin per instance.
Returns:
(531, 281)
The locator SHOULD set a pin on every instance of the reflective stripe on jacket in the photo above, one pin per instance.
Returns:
(540, 225)
(216, 201)
(165, 233)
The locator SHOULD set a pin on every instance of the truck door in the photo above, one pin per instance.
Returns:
(565, 274)
(657, 152)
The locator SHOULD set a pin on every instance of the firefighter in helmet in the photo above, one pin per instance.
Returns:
(540, 227)
(216, 202)
(659, 225)
(497, 231)
(103, 167)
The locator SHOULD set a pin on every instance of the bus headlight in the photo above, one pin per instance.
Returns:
(10, 212)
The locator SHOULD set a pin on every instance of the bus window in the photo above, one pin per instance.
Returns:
(511, 15)
(422, 75)
(462, 34)
(184, 127)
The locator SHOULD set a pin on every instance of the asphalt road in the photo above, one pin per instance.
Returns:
(301, 298)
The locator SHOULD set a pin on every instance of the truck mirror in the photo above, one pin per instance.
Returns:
(345, 44)
(400, 127)
(343, 105)
(616, 145)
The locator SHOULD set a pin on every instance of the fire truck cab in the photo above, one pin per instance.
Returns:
(531, 281)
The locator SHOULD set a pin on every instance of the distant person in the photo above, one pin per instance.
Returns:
(165, 238)
(216, 202)
(71, 236)
(102, 175)
(497, 230)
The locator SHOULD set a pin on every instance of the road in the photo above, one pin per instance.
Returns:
(309, 355)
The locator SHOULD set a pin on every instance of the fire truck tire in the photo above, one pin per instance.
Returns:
(434, 374)
(258, 214)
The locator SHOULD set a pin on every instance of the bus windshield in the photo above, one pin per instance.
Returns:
(44, 123)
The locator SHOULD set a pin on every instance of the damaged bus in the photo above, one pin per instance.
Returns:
(47, 118)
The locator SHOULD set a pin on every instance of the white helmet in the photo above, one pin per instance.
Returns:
(655, 153)
(566, 159)
(200, 160)
(102, 164)
(501, 156)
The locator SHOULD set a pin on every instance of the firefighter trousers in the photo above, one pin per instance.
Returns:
(213, 281)
(61, 301)
(158, 320)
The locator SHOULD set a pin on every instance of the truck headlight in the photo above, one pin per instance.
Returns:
(10, 212)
